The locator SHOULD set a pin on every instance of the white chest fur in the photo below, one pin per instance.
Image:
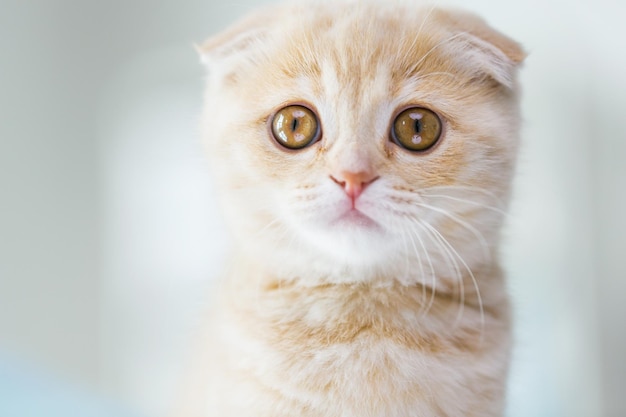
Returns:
(366, 357)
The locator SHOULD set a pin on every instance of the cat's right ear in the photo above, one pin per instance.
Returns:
(482, 49)
(236, 40)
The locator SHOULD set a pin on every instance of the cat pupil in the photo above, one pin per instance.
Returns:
(294, 125)
(418, 126)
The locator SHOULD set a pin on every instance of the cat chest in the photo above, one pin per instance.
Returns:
(341, 359)
(368, 370)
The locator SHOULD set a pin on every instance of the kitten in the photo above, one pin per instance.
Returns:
(363, 152)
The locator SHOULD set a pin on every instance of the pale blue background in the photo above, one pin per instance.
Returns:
(109, 232)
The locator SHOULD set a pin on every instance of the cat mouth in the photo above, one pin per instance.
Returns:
(355, 218)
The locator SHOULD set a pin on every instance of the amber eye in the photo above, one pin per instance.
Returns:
(295, 127)
(416, 129)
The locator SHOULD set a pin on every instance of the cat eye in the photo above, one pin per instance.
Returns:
(295, 127)
(416, 129)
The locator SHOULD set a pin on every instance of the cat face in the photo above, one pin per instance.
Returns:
(357, 141)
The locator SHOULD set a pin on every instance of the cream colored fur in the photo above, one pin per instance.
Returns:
(316, 316)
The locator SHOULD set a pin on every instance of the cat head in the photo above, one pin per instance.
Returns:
(353, 141)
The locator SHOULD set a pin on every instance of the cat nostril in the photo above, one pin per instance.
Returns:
(342, 183)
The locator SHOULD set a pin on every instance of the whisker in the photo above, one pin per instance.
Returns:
(421, 266)
(422, 76)
(416, 233)
(470, 188)
(406, 250)
(260, 232)
(472, 229)
(419, 31)
(431, 50)
(464, 200)
(430, 11)
(453, 265)
(471, 274)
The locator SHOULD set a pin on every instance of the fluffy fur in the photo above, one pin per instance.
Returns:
(317, 315)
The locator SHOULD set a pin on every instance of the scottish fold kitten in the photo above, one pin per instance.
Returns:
(363, 152)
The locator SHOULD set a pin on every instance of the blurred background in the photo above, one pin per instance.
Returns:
(109, 234)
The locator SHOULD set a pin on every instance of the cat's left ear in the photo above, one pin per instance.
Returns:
(236, 40)
(484, 49)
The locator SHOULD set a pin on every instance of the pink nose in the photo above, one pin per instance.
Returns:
(354, 182)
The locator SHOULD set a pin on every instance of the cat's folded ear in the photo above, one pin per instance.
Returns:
(483, 49)
(235, 40)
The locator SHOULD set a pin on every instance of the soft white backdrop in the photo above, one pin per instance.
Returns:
(109, 234)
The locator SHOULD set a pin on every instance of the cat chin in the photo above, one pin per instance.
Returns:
(346, 253)
(323, 269)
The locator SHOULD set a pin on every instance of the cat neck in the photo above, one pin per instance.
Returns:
(253, 278)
